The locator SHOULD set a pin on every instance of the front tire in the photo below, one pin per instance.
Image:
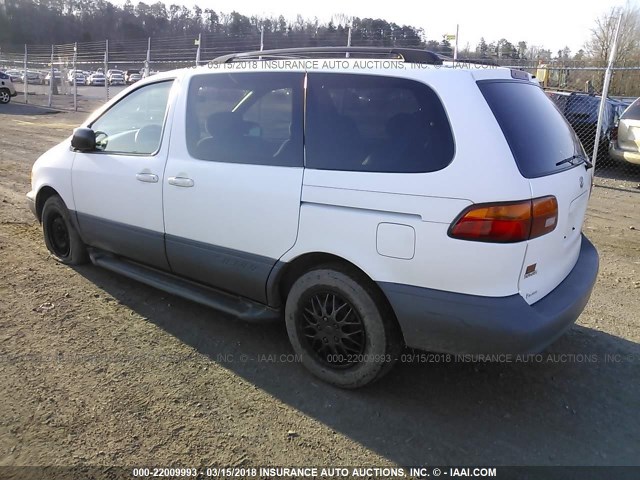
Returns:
(5, 96)
(341, 327)
(60, 236)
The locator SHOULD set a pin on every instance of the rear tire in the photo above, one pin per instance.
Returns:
(341, 327)
(60, 236)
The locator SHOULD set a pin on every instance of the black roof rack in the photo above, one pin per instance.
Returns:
(409, 55)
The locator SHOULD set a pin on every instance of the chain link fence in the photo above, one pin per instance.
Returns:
(576, 89)
(68, 77)
(80, 76)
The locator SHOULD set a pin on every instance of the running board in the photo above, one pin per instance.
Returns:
(242, 308)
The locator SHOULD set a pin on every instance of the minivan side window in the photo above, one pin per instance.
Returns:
(252, 117)
(134, 125)
(375, 124)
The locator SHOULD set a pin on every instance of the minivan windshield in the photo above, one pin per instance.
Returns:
(539, 136)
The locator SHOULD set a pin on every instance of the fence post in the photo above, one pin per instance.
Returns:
(199, 41)
(348, 40)
(26, 77)
(455, 49)
(75, 77)
(106, 67)
(605, 91)
(262, 38)
(52, 79)
(148, 60)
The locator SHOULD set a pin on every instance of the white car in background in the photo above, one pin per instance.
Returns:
(7, 90)
(367, 209)
(133, 78)
(96, 79)
(78, 76)
(57, 77)
(115, 77)
(31, 77)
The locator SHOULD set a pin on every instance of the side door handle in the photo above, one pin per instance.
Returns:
(147, 177)
(181, 181)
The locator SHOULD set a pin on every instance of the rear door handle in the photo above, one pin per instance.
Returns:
(147, 177)
(181, 181)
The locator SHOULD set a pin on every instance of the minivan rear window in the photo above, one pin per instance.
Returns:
(538, 134)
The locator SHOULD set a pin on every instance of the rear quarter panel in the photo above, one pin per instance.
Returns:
(341, 211)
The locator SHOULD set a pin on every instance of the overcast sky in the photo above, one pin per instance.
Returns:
(553, 24)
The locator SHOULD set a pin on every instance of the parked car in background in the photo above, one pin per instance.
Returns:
(361, 215)
(619, 107)
(128, 73)
(31, 76)
(97, 79)
(15, 75)
(78, 76)
(57, 77)
(625, 145)
(132, 76)
(115, 77)
(7, 90)
(581, 111)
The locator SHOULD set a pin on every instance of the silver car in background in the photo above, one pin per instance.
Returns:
(626, 143)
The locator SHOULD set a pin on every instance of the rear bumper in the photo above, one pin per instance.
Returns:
(626, 155)
(441, 321)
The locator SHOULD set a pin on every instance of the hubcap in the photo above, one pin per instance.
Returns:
(332, 330)
(58, 235)
(4, 97)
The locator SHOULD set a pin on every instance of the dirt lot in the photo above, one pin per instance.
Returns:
(98, 369)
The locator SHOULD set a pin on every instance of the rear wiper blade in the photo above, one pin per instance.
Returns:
(570, 160)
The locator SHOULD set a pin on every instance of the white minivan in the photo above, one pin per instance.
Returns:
(375, 202)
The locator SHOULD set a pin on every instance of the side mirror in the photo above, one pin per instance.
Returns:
(83, 140)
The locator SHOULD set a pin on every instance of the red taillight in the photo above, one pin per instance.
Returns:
(544, 216)
(507, 222)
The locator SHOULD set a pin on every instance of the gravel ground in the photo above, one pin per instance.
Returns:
(98, 369)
